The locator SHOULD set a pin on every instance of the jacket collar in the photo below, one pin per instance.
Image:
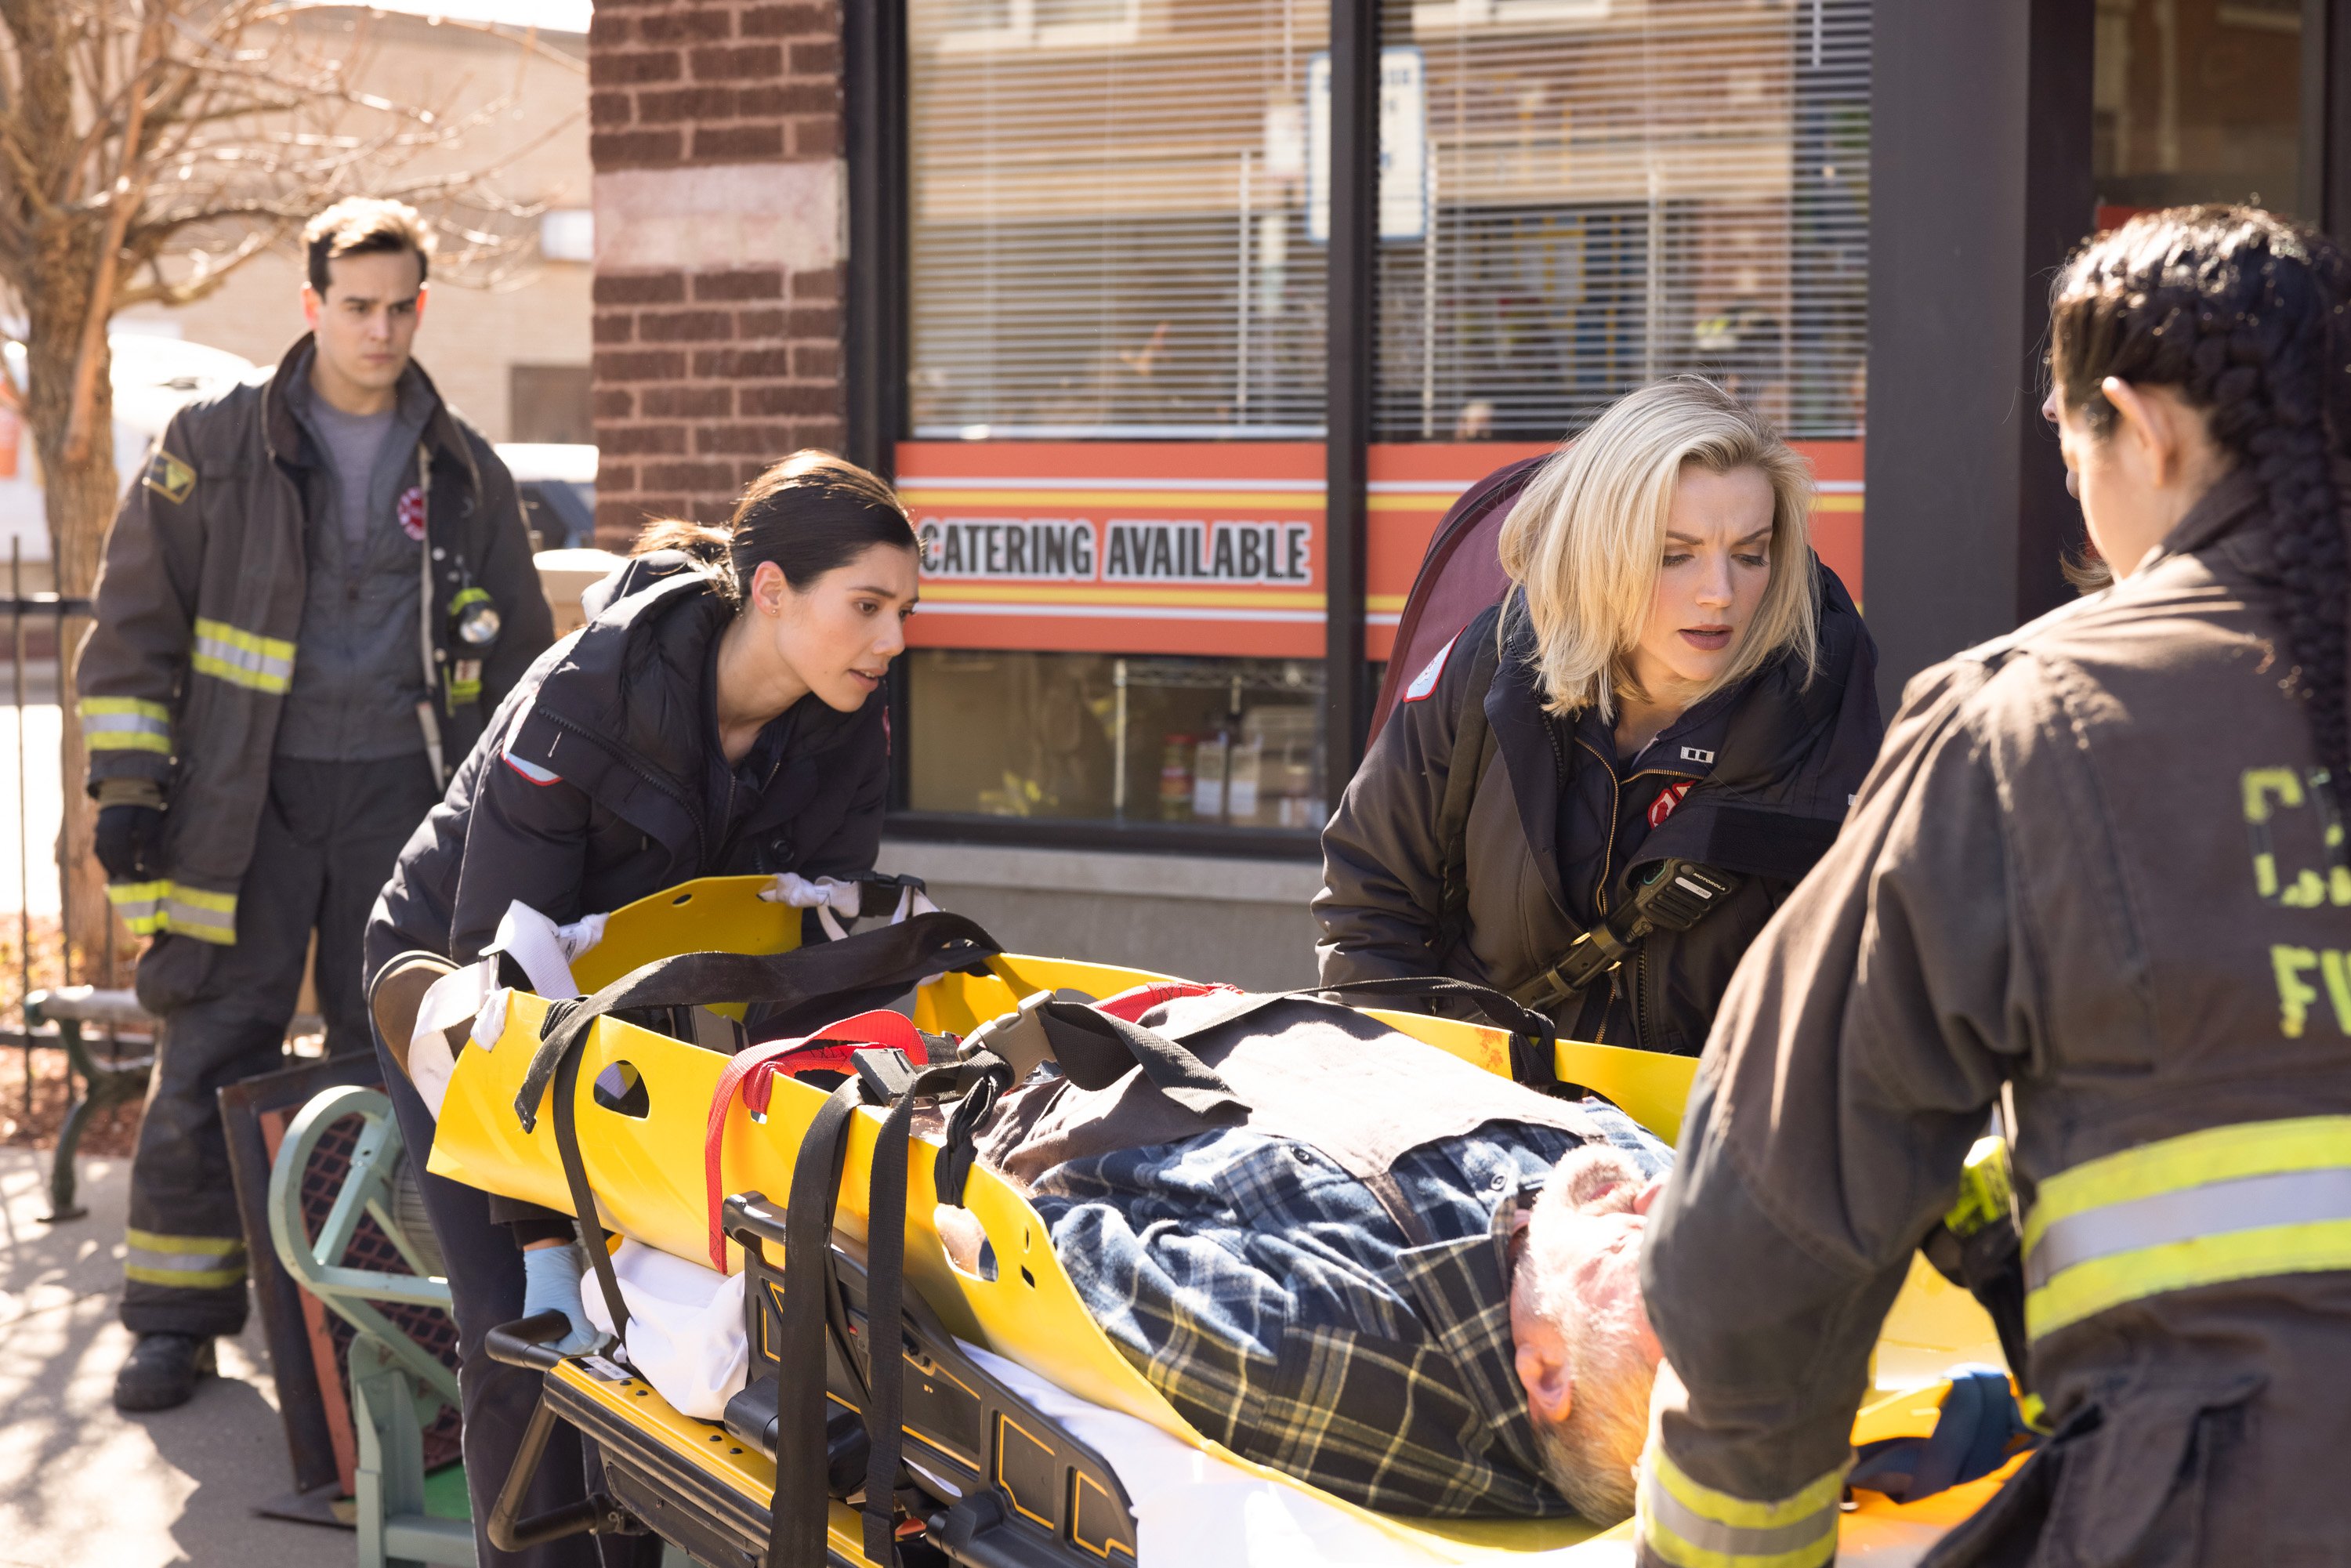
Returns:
(2230, 503)
(282, 429)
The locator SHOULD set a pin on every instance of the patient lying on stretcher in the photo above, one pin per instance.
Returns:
(1356, 1258)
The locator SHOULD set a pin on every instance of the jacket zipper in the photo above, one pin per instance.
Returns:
(629, 759)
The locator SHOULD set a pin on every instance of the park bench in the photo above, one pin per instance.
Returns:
(95, 1083)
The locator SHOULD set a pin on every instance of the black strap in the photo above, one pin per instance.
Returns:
(1095, 1051)
(812, 1306)
(583, 1196)
(795, 1517)
(885, 1275)
(1780, 845)
(894, 956)
(1473, 740)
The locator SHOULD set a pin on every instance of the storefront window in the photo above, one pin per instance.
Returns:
(1109, 220)
(1192, 741)
(1613, 193)
(2197, 101)
(1116, 383)
(1119, 239)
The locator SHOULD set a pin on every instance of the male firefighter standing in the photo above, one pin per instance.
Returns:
(318, 590)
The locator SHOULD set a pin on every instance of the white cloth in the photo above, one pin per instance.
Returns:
(1194, 1510)
(836, 901)
(545, 952)
(686, 1327)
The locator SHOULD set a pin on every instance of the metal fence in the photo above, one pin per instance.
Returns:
(37, 637)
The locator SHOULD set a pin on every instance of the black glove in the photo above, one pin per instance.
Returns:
(127, 838)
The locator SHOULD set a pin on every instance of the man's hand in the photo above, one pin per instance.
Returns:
(128, 837)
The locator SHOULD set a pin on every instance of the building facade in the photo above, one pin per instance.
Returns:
(1181, 322)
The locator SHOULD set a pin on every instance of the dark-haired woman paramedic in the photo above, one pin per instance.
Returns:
(2097, 877)
(722, 715)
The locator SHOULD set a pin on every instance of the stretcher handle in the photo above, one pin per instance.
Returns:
(595, 1514)
(529, 1342)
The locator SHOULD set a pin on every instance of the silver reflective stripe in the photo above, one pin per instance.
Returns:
(1663, 1510)
(2189, 1214)
(185, 1262)
(122, 723)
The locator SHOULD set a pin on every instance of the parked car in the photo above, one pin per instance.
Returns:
(558, 492)
(152, 376)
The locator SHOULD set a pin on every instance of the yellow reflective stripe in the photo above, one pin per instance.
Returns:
(139, 904)
(2191, 1159)
(242, 658)
(126, 724)
(1694, 1526)
(2222, 1204)
(2090, 1288)
(133, 708)
(208, 917)
(183, 1262)
(150, 908)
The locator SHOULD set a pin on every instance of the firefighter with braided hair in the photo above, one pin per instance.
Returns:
(2098, 879)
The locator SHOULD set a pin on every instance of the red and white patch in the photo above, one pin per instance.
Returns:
(1426, 681)
(1667, 799)
(542, 777)
(411, 512)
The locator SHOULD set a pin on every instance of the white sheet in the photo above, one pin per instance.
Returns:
(1196, 1511)
(686, 1327)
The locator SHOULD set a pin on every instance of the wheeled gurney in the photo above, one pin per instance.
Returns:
(984, 1473)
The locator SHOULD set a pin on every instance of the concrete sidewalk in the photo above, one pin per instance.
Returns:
(82, 1486)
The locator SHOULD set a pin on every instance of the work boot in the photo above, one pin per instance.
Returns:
(163, 1371)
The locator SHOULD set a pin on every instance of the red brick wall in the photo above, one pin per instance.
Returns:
(718, 343)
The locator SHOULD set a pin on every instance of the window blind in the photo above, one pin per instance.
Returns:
(1617, 190)
(1108, 219)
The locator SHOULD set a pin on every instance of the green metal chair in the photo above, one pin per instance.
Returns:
(398, 1387)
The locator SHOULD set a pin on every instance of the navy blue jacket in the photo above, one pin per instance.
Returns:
(600, 780)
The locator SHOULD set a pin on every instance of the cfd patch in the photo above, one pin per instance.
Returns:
(168, 477)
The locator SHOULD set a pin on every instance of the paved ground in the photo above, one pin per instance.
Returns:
(84, 1486)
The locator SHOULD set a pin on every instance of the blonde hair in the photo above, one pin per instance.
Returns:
(1585, 540)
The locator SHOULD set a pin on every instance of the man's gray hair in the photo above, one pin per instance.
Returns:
(1592, 1456)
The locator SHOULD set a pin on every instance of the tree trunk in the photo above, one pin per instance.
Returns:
(81, 498)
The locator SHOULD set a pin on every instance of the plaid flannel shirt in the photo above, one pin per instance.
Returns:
(1271, 1298)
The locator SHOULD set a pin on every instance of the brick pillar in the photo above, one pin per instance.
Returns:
(716, 135)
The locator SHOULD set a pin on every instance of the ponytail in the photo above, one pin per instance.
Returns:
(704, 543)
(809, 514)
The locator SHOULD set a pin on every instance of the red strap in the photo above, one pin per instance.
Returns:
(1129, 1006)
(752, 1074)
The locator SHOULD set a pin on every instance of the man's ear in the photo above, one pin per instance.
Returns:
(311, 307)
(423, 289)
(1544, 1368)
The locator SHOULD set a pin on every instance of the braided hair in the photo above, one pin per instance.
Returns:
(2245, 314)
